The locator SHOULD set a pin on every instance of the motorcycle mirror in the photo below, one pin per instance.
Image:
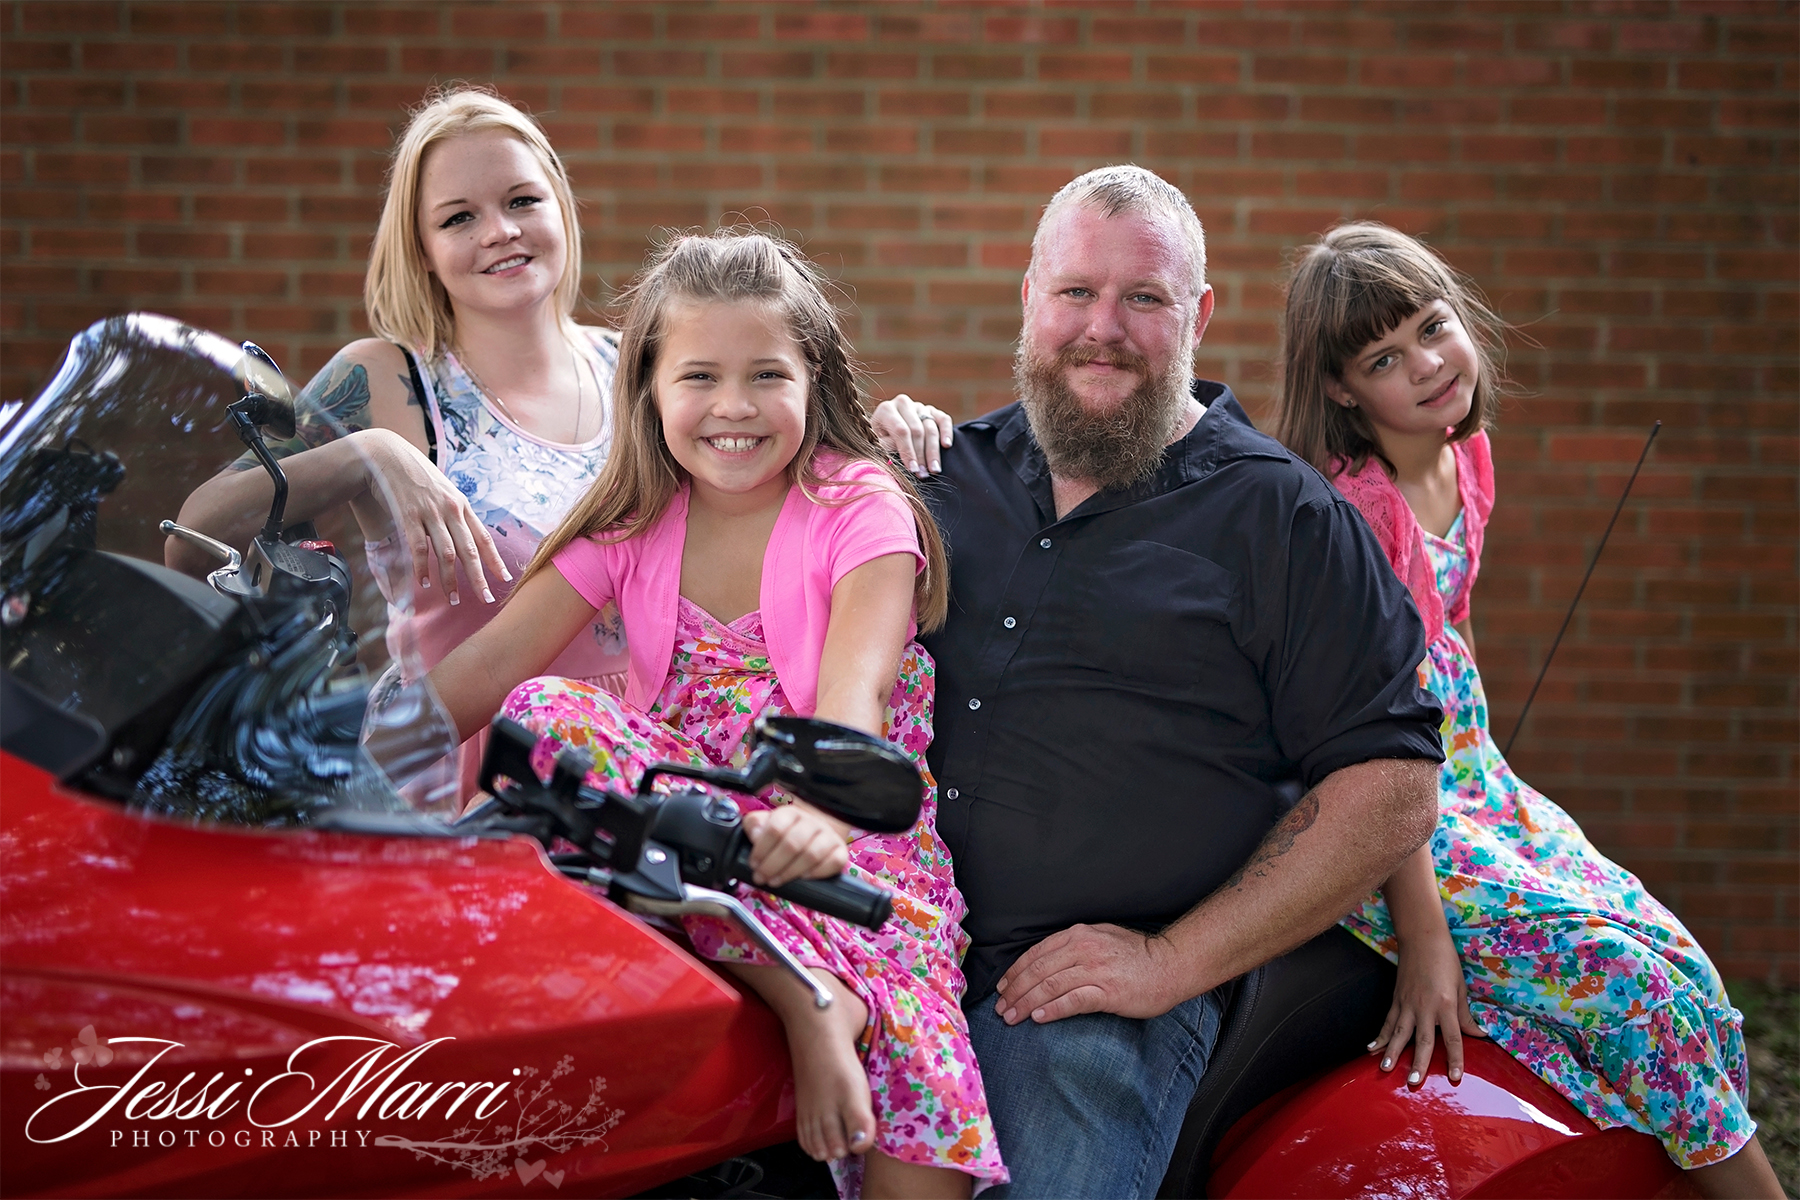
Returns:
(258, 375)
(852, 776)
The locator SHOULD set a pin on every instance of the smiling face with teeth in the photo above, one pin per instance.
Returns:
(731, 387)
(489, 224)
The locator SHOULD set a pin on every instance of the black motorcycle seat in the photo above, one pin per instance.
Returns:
(1291, 1018)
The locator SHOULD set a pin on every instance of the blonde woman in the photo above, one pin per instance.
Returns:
(481, 403)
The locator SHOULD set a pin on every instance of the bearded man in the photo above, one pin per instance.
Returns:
(1163, 629)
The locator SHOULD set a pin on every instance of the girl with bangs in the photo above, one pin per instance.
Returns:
(766, 557)
(1508, 924)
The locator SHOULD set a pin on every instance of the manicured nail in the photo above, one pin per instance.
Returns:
(1387, 1064)
(506, 574)
(858, 1136)
(1374, 1044)
(488, 595)
(1456, 1077)
(455, 599)
(1413, 1079)
(425, 581)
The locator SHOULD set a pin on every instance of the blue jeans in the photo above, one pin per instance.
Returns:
(1090, 1105)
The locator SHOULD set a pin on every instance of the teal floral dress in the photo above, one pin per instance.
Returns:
(930, 1106)
(1572, 966)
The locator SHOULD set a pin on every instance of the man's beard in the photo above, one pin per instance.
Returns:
(1114, 448)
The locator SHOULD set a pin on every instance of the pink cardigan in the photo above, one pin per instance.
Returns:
(812, 546)
(1398, 531)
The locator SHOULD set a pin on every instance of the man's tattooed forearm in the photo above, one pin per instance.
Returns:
(1279, 841)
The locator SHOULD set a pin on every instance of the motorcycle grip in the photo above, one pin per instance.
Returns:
(846, 898)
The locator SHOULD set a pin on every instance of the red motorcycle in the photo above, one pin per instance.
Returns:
(245, 949)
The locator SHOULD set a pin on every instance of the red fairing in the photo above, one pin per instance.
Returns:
(226, 951)
(1501, 1132)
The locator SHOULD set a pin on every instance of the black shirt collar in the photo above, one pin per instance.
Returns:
(1224, 433)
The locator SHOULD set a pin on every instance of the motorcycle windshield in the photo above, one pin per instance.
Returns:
(267, 678)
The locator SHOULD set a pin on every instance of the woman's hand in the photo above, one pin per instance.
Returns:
(1430, 994)
(794, 841)
(432, 516)
(916, 432)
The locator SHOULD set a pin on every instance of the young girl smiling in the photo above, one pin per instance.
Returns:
(1508, 923)
(765, 556)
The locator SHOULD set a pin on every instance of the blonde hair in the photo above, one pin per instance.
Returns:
(404, 301)
(641, 476)
(1352, 286)
(1128, 188)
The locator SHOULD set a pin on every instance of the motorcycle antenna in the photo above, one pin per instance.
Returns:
(1592, 563)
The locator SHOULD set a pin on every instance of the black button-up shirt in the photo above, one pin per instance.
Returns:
(1130, 697)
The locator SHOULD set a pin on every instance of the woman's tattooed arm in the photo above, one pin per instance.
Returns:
(336, 401)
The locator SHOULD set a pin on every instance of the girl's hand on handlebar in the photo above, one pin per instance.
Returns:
(916, 432)
(793, 842)
(1430, 994)
(432, 516)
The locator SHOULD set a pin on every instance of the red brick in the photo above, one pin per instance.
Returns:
(823, 26)
(1407, 72)
(122, 56)
(1247, 34)
(1324, 31)
(509, 23)
(928, 27)
(1192, 68)
(70, 16)
(1306, 70)
(606, 24)
(1509, 71)
(860, 66)
(1031, 30)
(1726, 76)
(78, 92)
(582, 61)
(325, 59)
(1085, 143)
(1114, 68)
(373, 19)
(190, 17)
(284, 19)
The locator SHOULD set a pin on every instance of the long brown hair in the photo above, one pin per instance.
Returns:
(1352, 286)
(641, 476)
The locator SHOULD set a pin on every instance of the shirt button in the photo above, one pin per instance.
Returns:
(1009, 622)
(1045, 543)
(974, 704)
(951, 794)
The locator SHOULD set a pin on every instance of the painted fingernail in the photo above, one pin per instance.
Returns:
(859, 1136)
(1374, 1044)
(506, 574)
(1413, 1079)
(488, 595)
(455, 599)
(1387, 1064)
(424, 582)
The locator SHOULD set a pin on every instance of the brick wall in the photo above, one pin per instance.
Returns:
(1621, 176)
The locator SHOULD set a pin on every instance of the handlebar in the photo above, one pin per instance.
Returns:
(844, 897)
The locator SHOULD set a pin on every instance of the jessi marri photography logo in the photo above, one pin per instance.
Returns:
(510, 1125)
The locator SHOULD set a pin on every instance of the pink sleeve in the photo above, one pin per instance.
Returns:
(1395, 528)
(1475, 484)
(877, 521)
(585, 563)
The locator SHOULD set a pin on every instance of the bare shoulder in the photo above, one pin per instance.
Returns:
(364, 385)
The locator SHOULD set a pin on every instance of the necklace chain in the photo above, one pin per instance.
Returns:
(462, 356)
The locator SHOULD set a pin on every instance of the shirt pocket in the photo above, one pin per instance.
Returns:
(1149, 613)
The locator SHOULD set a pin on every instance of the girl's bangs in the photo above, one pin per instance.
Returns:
(1367, 299)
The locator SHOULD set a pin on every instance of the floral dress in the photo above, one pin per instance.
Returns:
(1572, 966)
(930, 1107)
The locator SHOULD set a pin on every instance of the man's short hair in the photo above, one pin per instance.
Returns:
(1128, 188)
